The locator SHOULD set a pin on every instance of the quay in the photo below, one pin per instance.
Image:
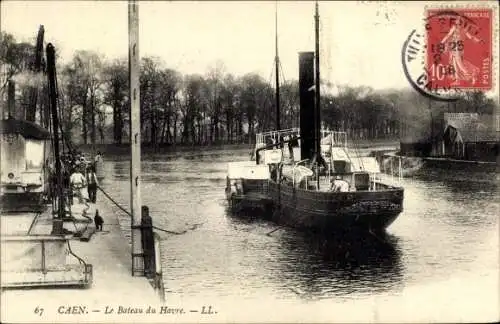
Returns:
(54, 262)
(411, 165)
(107, 251)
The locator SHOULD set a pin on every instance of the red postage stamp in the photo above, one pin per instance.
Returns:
(459, 48)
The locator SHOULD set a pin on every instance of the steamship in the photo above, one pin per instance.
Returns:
(292, 172)
(25, 149)
(25, 153)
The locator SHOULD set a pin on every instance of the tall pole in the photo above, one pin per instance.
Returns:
(135, 138)
(57, 228)
(317, 117)
(277, 59)
(11, 99)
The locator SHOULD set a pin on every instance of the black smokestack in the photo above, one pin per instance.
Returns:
(306, 91)
(11, 99)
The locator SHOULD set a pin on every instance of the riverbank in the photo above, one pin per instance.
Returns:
(124, 149)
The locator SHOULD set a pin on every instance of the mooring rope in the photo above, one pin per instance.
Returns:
(35, 220)
(274, 230)
(114, 202)
(130, 215)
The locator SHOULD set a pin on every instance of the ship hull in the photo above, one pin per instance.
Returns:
(329, 212)
(31, 201)
(252, 196)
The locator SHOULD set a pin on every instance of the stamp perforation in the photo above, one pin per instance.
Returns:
(459, 5)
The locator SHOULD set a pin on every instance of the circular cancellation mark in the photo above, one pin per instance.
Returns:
(450, 54)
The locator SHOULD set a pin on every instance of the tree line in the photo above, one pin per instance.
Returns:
(211, 108)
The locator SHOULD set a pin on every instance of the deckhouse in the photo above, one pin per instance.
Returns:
(24, 154)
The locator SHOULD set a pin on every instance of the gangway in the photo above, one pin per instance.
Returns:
(42, 261)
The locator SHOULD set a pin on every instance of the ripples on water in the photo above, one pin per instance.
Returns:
(449, 226)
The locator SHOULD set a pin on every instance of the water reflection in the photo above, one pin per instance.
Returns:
(474, 197)
(446, 228)
(248, 215)
(324, 266)
(459, 180)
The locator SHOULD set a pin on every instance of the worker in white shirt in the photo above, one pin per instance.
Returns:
(339, 185)
(78, 183)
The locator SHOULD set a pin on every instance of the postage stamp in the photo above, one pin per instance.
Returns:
(452, 52)
(459, 48)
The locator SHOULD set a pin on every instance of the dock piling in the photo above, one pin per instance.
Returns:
(148, 244)
(152, 255)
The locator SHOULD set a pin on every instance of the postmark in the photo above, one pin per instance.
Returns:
(451, 53)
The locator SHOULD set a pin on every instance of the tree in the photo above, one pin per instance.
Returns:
(255, 99)
(86, 89)
(170, 86)
(289, 101)
(17, 65)
(115, 78)
(214, 89)
(230, 108)
(191, 107)
(14, 58)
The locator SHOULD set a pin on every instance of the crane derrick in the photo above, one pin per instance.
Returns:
(36, 67)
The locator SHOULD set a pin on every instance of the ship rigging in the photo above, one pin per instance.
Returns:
(298, 187)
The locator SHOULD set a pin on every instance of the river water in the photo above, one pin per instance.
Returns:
(438, 262)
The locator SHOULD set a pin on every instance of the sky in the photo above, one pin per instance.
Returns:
(360, 42)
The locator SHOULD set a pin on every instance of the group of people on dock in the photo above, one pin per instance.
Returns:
(79, 178)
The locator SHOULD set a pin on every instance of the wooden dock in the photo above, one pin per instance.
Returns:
(107, 251)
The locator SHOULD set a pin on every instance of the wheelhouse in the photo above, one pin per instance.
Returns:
(25, 155)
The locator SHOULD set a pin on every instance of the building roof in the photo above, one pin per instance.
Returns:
(23, 127)
(461, 120)
(471, 127)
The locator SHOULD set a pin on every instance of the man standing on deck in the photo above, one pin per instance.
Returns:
(92, 184)
(293, 143)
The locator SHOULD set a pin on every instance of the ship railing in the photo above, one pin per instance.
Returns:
(337, 138)
(392, 169)
(275, 136)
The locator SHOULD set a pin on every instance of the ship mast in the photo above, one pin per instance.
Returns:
(36, 68)
(57, 228)
(277, 62)
(317, 119)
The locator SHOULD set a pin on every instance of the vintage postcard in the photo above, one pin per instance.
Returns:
(249, 161)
